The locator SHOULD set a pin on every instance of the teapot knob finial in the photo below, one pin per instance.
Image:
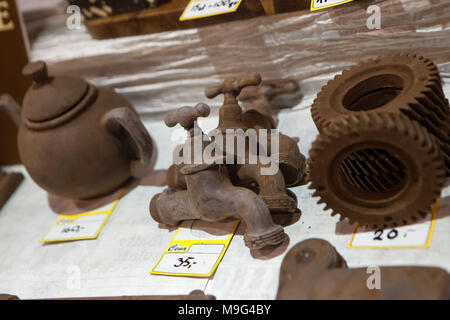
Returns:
(36, 71)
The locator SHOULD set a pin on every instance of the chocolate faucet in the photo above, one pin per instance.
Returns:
(209, 194)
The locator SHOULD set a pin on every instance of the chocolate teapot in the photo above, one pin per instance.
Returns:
(76, 140)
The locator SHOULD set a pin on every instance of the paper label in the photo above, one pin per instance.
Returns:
(194, 253)
(406, 237)
(322, 4)
(197, 9)
(82, 226)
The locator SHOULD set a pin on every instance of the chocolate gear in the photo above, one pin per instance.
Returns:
(314, 270)
(406, 84)
(404, 142)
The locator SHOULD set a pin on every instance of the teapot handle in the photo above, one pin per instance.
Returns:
(129, 120)
(11, 108)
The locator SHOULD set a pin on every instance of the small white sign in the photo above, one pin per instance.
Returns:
(196, 249)
(409, 236)
(205, 8)
(68, 228)
(321, 4)
(200, 259)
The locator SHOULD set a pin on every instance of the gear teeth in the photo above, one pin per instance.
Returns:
(374, 170)
(424, 100)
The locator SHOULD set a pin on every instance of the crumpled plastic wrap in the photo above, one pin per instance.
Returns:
(161, 72)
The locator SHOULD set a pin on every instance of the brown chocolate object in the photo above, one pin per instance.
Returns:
(8, 184)
(76, 140)
(402, 83)
(92, 9)
(165, 17)
(230, 114)
(8, 297)
(210, 196)
(194, 295)
(258, 115)
(281, 6)
(272, 189)
(405, 142)
(314, 270)
(261, 101)
(292, 162)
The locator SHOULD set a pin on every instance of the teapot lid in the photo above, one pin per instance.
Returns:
(49, 97)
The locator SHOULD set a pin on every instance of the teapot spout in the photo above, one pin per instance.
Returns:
(11, 108)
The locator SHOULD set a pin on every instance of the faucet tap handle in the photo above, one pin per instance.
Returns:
(252, 80)
(233, 86)
(269, 89)
(186, 116)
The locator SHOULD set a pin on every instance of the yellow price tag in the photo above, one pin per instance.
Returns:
(194, 254)
(322, 4)
(197, 9)
(416, 236)
(82, 226)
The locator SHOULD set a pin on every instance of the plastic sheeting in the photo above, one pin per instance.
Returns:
(161, 72)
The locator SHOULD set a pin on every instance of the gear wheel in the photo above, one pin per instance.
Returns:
(403, 142)
(402, 83)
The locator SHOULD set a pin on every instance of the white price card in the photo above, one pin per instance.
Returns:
(322, 4)
(82, 226)
(197, 9)
(195, 252)
(415, 236)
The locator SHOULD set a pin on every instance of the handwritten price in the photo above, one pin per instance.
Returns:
(74, 229)
(227, 4)
(185, 263)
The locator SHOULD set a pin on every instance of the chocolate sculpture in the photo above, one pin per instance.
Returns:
(314, 270)
(213, 192)
(382, 153)
(258, 115)
(271, 188)
(405, 84)
(76, 140)
(210, 195)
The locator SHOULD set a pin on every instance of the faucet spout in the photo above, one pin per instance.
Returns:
(210, 196)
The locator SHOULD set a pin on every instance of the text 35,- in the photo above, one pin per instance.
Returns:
(185, 263)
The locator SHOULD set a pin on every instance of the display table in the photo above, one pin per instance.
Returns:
(158, 73)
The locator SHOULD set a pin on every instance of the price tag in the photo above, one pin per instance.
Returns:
(82, 226)
(195, 253)
(416, 236)
(322, 4)
(197, 9)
